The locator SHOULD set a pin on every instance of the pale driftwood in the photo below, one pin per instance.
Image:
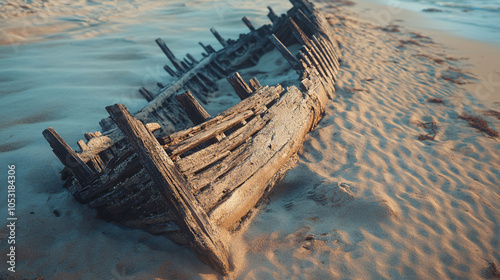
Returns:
(190, 217)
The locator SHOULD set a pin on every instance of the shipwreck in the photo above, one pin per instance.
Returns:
(174, 170)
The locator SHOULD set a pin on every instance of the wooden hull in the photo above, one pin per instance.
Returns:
(149, 171)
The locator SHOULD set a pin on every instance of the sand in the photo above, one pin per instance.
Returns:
(366, 200)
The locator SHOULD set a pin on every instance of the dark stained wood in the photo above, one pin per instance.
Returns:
(203, 236)
(248, 23)
(170, 71)
(196, 113)
(146, 94)
(68, 157)
(177, 63)
(272, 15)
(240, 87)
(218, 37)
(285, 52)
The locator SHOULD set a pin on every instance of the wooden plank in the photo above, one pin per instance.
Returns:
(201, 159)
(260, 98)
(228, 162)
(68, 157)
(204, 237)
(170, 71)
(186, 145)
(292, 60)
(240, 87)
(175, 62)
(265, 144)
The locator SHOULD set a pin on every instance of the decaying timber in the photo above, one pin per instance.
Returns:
(172, 169)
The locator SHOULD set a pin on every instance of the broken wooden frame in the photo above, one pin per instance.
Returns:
(174, 170)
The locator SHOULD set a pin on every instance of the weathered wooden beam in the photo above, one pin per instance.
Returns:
(272, 15)
(254, 84)
(207, 48)
(68, 157)
(106, 124)
(90, 135)
(203, 236)
(189, 143)
(177, 64)
(146, 94)
(219, 37)
(196, 113)
(240, 87)
(248, 23)
(170, 71)
(190, 57)
(292, 60)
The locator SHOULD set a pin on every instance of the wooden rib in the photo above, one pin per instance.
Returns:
(170, 71)
(248, 23)
(186, 145)
(177, 64)
(146, 94)
(203, 158)
(218, 37)
(272, 15)
(68, 157)
(323, 46)
(240, 87)
(204, 238)
(285, 52)
(196, 113)
(254, 84)
(190, 57)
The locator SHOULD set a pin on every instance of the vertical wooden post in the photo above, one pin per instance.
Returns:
(170, 71)
(193, 60)
(272, 15)
(146, 94)
(248, 23)
(254, 84)
(177, 64)
(68, 157)
(196, 113)
(285, 52)
(207, 48)
(240, 87)
(218, 37)
(203, 237)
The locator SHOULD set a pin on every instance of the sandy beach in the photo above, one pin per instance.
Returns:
(393, 183)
